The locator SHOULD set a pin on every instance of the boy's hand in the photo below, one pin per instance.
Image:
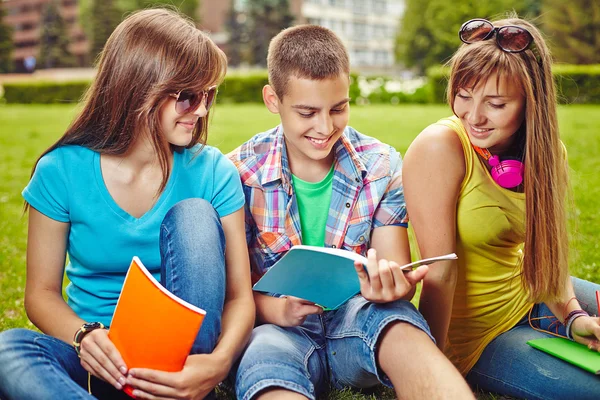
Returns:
(384, 281)
(100, 357)
(200, 374)
(296, 310)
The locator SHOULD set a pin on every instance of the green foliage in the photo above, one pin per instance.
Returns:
(104, 15)
(437, 80)
(187, 7)
(576, 84)
(44, 92)
(384, 90)
(267, 18)
(236, 88)
(238, 37)
(428, 33)
(54, 40)
(579, 84)
(104, 18)
(573, 29)
(243, 88)
(253, 26)
(6, 44)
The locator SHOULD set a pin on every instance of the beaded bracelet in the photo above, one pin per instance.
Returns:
(573, 315)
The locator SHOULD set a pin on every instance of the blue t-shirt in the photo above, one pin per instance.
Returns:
(67, 186)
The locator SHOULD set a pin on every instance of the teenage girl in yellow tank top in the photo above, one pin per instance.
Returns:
(490, 184)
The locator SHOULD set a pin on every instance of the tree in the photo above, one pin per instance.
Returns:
(266, 18)
(54, 41)
(6, 44)
(187, 7)
(573, 29)
(238, 36)
(428, 33)
(104, 18)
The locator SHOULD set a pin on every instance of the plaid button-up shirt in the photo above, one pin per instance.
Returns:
(367, 194)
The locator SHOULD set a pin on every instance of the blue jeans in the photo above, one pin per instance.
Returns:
(336, 349)
(192, 247)
(511, 367)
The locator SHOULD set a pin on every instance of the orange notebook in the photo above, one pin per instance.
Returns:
(151, 327)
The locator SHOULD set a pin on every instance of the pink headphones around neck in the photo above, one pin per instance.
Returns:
(507, 173)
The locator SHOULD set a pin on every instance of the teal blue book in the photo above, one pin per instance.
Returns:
(325, 276)
(572, 352)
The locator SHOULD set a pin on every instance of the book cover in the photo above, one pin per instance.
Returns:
(572, 352)
(322, 275)
(151, 327)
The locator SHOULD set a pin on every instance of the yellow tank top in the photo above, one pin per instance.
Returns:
(489, 298)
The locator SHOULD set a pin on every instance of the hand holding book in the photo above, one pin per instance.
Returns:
(382, 281)
(327, 276)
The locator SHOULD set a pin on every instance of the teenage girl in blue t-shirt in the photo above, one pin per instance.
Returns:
(132, 177)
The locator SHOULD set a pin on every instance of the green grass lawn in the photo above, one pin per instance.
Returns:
(25, 131)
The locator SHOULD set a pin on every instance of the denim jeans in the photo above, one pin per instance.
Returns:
(336, 349)
(192, 247)
(511, 367)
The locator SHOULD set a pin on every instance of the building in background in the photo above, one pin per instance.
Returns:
(25, 17)
(367, 27)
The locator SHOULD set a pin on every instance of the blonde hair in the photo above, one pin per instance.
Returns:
(305, 51)
(545, 263)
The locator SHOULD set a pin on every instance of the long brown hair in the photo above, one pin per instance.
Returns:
(151, 54)
(545, 263)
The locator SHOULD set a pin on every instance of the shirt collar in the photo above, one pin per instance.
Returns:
(277, 166)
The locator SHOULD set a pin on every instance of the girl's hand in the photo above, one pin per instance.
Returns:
(384, 281)
(586, 330)
(296, 310)
(100, 357)
(200, 375)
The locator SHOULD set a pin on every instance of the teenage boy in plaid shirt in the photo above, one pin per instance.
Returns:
(314, 180)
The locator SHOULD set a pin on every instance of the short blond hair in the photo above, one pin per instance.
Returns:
(308, 52)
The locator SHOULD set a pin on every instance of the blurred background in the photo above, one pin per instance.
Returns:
(395, 46)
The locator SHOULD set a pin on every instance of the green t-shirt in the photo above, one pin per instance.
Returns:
(313, 206)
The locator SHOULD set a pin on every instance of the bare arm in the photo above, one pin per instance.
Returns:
(45, 306)
(46, 254)
(391, 244)
(433, 171)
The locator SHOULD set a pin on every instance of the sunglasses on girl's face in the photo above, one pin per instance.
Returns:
(188, 101)
(510, 38)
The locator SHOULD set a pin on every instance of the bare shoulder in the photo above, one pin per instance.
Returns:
(437, 149)
(437, 139)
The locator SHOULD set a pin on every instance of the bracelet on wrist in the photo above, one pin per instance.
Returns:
(84, 330)
(573, 315)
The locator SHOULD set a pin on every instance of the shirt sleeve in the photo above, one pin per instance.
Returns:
(228, 196)
(392, 208)
(47, 189)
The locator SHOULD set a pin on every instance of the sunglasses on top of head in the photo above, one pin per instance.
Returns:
(188, 100)
(510, 38)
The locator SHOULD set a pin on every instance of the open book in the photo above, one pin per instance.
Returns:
(572, 352)
(151, 327)
(322, 275)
